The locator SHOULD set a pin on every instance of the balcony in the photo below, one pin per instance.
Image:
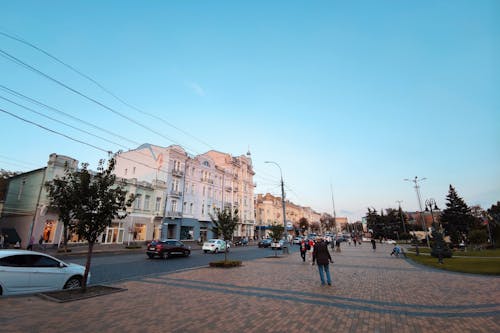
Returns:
(177, 173)
(173, 193)
(173, 215)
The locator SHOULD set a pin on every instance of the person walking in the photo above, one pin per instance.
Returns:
(322, 257)
(303, 250)
(30, 244)
(374, 244)
(337, 245)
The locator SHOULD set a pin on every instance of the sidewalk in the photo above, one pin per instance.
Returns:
(371, 292)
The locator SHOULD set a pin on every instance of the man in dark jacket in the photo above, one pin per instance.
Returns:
(321, 255)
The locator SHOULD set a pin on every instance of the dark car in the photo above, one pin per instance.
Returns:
(265, 242)
(167, 248)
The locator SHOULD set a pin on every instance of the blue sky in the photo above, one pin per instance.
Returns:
(352, 96)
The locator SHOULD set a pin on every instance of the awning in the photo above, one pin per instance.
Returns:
(11, 235)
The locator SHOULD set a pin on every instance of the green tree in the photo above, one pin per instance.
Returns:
(276, 233)
(477, 237)
(93, 200)
(493, 217)
(224, 225)
(62, 198)
(303, 225)
(456, 219)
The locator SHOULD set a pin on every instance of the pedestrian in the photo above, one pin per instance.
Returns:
(322, 257)
(2, 239)
(40, 242)
(303, 250)
(337, 245)
(30, 244)
(374, 244)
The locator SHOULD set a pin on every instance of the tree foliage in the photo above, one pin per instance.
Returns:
(327, 222)
(224, 225)
(61, 196)
(303, 224)
(276, 233)
(456, 219)
(93, 200)
(493, 216)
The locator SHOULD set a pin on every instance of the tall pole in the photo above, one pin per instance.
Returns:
(282, 194)
(401, 213)
(417, 189)
(333, 204)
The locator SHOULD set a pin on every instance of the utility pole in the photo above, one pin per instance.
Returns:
(417, 189)
(282, 195)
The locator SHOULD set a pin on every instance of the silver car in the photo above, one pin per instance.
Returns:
(24, 272)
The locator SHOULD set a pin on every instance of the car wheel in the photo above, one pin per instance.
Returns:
(165, 255)
(150, 256)
(216, 250)
(186, 254)
(206, 251)
(73, 283)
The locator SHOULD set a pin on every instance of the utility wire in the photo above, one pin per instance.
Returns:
(62, 122)
(23, 64)
(55, 132)
(23, 41)
(34, 101)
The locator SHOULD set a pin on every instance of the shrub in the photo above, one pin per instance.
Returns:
(225, 264)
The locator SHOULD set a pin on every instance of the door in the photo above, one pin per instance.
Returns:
(47, 273)
(15, 275)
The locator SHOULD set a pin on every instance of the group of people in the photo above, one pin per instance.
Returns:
(320, 257)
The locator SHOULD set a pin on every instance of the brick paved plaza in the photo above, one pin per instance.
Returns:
(371, 292)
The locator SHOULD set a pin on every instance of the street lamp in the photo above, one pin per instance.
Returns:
(282, 193)
(417, 189)
(429, 205)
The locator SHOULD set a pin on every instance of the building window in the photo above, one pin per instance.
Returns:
(192, 188)
(174, 205)
(133, 171)
(21, 189)
(203, 208)
(146, 202)
(125, 171)
(191, 208)
(157, 204)
(138, 201)
(203, 190)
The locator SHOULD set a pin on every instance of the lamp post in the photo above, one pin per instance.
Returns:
(282, 193)
(417, 189)
(429, 205)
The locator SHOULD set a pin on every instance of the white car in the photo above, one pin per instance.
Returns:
(24, 272)
(215, 246)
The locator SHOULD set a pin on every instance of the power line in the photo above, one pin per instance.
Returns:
(77, 92)
(52, 131)
(61, 122)
(34, 101)
(20, 40)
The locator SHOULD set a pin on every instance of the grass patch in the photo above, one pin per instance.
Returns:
(225, 264)
(461, 253)
(486, 266)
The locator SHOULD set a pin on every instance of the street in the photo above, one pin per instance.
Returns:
(109, 268)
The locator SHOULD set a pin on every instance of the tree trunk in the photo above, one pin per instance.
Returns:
(87, 266)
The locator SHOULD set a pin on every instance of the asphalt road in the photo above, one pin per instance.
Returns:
(109, 268)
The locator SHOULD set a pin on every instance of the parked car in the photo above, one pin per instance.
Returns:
(266, 242)
(277, 245)
(24, 272)
(215, 246)
(167, 248)
(297, 240)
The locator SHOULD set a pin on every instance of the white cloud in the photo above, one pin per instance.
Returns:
(197, 89)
